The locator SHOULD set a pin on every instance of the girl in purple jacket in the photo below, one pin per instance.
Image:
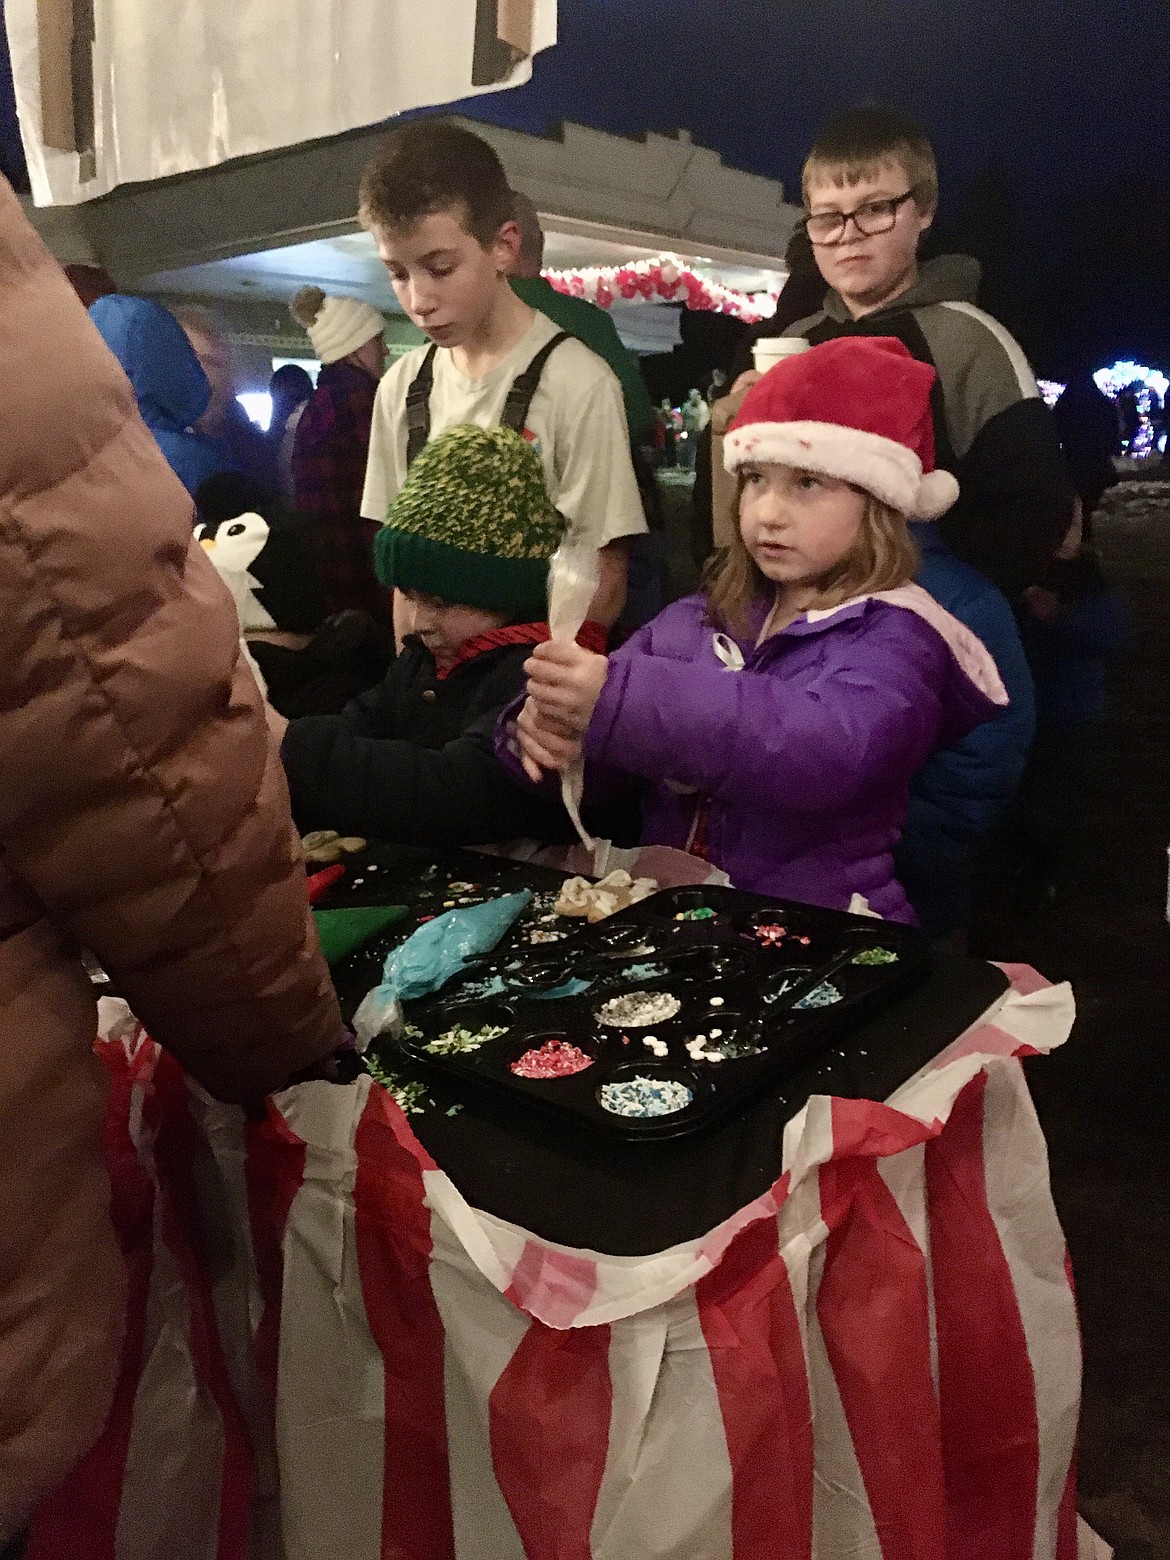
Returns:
(776, 720)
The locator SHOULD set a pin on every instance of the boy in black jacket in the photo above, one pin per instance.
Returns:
(412, 760)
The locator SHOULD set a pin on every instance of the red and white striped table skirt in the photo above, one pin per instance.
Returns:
(332, 1356)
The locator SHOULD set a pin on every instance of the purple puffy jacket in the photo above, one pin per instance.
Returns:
(792, 770)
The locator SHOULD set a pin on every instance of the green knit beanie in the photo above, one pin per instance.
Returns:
(473, 524)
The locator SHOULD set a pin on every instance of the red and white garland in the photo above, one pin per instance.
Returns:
(666, 277)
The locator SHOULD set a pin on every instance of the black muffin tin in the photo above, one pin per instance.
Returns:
(759, 987)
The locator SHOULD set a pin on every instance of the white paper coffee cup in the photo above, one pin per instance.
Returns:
(769, 350)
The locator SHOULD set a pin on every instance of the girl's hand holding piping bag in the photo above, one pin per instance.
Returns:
(564, 684)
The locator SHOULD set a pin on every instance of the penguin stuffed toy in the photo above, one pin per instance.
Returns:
(233, 546)
(260, 556)
(304, 663)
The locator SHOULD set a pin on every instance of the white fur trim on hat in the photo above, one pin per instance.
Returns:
(889, 470)
(342, 326)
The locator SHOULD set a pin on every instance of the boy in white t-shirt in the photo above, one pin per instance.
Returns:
(436, 200)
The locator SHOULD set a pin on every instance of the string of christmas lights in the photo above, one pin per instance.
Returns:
(665, 278)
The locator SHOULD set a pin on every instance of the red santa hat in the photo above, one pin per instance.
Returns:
(858, 409)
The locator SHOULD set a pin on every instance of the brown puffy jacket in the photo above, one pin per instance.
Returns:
(143, 815)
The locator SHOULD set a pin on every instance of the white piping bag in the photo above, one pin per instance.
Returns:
(573, 577)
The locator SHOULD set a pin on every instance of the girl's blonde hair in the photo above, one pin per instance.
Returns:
(884, 556)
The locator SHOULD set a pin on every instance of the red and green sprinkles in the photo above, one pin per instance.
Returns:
(644, 1097)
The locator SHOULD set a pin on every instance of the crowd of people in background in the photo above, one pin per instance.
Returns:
(1012, 558)
(897, 648)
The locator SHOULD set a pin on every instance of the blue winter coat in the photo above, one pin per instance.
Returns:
(168, 382)
(794, 770)
(959, 794)
(1068, 654)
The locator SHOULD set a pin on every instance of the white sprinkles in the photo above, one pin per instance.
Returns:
(639, 1009)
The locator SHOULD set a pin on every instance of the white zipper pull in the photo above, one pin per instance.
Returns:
(728, 652)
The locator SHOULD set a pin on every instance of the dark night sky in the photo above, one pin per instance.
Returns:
(1051, 119)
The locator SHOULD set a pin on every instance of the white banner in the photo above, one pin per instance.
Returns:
(114, 91)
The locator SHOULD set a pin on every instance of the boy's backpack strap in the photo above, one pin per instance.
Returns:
(515, 413)
(418, 408)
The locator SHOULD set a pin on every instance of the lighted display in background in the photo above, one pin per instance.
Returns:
(1149, 385)
(1125, 374)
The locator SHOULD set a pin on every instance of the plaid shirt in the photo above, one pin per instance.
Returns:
(329, 470)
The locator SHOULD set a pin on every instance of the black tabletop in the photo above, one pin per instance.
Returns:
(580, 1189)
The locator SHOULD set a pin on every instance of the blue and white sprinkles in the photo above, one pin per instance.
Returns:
(644, 1097)
(820, 996)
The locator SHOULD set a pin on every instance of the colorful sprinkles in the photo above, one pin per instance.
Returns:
(644, 1097)
(553, 1059)
(771, 936)
(774, 934)
(662, 1038)
(733, 1049)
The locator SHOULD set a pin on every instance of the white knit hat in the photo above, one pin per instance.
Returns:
(336, 326)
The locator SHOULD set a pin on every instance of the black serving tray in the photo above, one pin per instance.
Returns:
(727, 972)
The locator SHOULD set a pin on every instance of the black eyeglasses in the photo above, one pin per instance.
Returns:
(870, 218)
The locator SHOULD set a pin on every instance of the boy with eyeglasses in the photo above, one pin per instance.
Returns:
(870, 190)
